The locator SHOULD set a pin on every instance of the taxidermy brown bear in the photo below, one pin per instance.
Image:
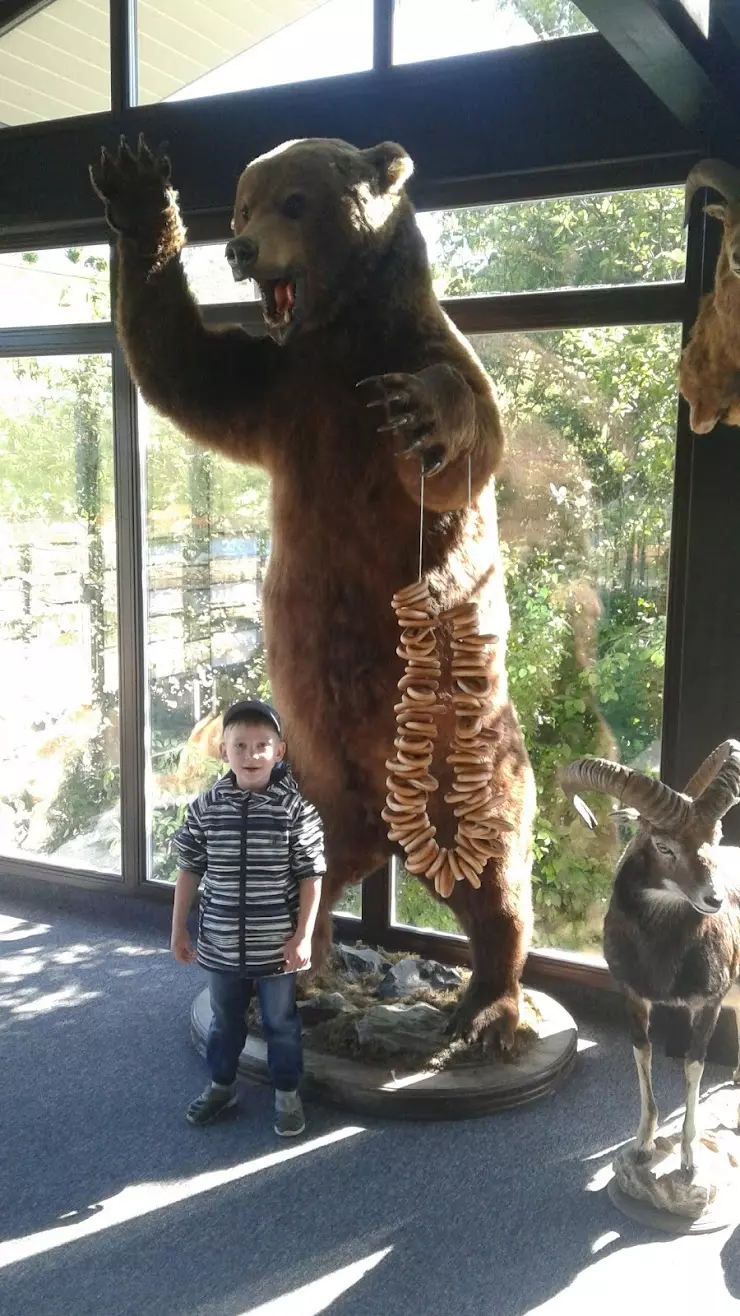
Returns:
(328, 233)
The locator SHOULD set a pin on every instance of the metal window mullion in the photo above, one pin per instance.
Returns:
(57, 340)
(133, 720)
(124, 67)
(382, 34)
(376, 905)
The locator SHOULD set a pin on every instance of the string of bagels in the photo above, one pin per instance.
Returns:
(409, 782)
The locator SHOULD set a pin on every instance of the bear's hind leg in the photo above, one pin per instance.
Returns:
(499, 936)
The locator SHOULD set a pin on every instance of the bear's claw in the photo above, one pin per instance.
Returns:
(410, 408)
(134, 184)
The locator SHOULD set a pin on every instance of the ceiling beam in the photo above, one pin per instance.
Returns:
(728, 14)
(525, 111)
(14, 12)
(663, 46)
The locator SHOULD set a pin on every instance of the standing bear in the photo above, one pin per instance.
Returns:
(360, 384)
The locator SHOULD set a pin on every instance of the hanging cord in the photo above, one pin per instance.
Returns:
(421, 508)
(421, 522)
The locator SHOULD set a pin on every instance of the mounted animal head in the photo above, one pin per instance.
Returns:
(313, 221)
(675, 851)
(725, 179)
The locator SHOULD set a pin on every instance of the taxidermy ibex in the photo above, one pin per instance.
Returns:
(709, 374)
(672, 930)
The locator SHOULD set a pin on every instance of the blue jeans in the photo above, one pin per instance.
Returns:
(230, 997)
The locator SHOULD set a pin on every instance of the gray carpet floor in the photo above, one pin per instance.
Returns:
(111, 1205)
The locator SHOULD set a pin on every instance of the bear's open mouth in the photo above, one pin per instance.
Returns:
(280, 302)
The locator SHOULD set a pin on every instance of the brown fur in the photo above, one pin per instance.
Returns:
(709, 374)
(345, 497)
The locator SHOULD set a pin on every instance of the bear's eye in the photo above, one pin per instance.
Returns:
(294, 206)
(244, 213)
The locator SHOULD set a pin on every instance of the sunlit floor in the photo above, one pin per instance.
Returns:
(111, 1205)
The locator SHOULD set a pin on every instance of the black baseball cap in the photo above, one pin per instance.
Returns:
(246, 709)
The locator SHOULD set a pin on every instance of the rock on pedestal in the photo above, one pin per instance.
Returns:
(658, 1193)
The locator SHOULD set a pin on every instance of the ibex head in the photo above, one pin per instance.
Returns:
(675, 849)
(725, 179)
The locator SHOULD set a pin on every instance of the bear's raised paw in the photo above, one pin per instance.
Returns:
(135, 186)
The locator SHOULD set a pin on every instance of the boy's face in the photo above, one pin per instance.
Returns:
(251, 751)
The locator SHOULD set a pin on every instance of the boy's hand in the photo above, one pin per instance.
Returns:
(297, 953)
(182, 948)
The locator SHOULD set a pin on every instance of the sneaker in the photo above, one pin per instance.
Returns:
(289, 1117)
(211, 1103)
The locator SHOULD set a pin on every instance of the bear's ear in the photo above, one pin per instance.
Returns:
(390, 164)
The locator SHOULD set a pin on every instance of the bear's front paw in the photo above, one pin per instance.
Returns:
(135, 187)
(410, 413)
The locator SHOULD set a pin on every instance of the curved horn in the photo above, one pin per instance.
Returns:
(723, 177)
(654, 801)
(723, 790)
(709, 768)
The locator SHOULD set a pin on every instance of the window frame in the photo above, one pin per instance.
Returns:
(598, 160)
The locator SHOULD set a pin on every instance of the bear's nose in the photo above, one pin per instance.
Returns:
(241, 253)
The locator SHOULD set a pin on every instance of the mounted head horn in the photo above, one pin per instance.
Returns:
(715, 786)
(655, 802)
(723, 177)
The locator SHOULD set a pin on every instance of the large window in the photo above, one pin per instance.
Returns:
(206, 551)
(188, 49)
(58, 286)
(584, 505)
(435, 29)
(607, 238)
(56, 63)
(59, 768)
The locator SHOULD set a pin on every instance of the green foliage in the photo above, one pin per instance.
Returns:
(418, 909)
(621, 237)
(165, 821)
(584, 503)
(90, 786)
(551, 18)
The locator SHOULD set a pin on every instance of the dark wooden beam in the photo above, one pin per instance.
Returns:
(727, 13)
(124, 61)
(14, 12)
(382, 34)
(654, 41)
(521, 112)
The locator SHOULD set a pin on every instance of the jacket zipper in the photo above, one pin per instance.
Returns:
(243, 890)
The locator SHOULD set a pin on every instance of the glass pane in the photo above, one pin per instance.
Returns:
(70, 285)
(210, 278)
(207, 546)
(434, 29)
(413, 905)
(585, 510)
(56, 63)
(189, 49)
(584, 503)
(561, 242)
(59, 771)
(350, 902)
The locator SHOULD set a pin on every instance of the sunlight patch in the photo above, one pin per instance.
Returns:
(16, 929)
(320, 1293)
(51, 1001)
(141, 950)
(604, 1240)
(142, 1199)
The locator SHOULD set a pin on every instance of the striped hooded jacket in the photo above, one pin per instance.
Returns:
(252, 849)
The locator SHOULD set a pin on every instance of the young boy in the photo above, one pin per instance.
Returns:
(259, 847)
